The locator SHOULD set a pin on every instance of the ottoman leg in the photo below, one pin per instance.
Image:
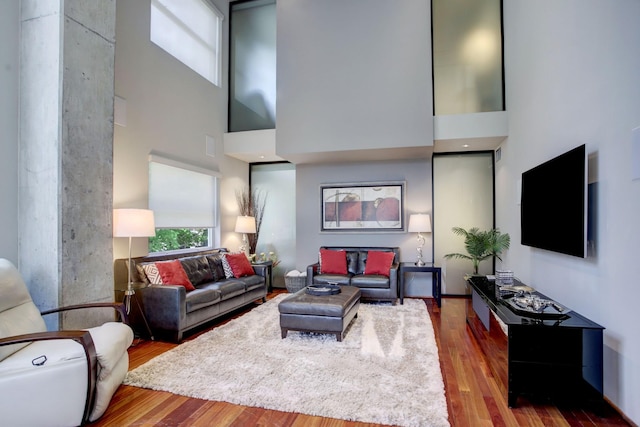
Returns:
(339, 336)
(284, 332)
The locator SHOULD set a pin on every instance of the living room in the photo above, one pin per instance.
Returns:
(570, 79)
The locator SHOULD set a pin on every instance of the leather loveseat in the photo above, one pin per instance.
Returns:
(172, 309)
(377, 284)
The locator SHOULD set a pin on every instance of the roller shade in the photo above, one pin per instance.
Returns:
(182, 197)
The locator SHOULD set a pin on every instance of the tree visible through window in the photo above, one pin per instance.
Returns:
(173, 239)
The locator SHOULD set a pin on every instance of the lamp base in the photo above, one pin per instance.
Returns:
(419, 263)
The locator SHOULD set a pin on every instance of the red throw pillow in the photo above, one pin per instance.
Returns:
(239, 264)
(379, 262)
(333, 262)
(172, 273)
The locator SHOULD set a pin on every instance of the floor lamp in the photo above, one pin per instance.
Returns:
(133, 223)
(420, 223)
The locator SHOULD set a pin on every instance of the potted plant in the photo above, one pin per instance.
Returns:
(481, 245)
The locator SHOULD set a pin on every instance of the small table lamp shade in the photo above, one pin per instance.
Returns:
(419, 223)
(245, 224)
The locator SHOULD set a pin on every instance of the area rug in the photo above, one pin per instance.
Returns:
(386, 369)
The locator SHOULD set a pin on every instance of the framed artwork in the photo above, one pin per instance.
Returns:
(362, 207)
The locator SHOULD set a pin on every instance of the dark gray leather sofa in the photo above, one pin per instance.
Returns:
(373, 287)
(171, 311)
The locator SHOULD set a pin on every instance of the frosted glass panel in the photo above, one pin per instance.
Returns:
(467, 56)
(278, 228)
(462, 197)
(252, 95)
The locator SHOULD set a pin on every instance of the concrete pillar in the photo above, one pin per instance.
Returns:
(65, 155)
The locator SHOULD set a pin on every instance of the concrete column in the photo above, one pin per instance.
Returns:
(65, 155)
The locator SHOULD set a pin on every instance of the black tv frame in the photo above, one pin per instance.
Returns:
(553, 205)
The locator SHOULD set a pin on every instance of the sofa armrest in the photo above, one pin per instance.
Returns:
(83, 338)
(260, 269)
(165, 306)
(117, 306)
(393, 277)
(312, 270)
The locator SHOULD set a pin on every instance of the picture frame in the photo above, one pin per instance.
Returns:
(371, 207)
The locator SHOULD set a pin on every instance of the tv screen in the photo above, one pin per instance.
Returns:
(553, 204)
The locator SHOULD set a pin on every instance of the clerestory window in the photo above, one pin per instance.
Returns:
(190, 31)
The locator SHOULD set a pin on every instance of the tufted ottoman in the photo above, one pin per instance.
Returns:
(330, 314)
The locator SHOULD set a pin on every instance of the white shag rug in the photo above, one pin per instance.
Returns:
(386, 369)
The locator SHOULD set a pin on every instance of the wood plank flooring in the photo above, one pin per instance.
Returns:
(473, 396)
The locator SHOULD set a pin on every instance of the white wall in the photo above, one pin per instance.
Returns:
(416, 174)
(169, 110)
(572, 70)
(9, 74)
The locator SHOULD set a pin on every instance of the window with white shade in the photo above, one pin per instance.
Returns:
(191, 31)
(184, 200)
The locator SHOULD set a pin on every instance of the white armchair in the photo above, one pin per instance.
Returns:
(62, 378)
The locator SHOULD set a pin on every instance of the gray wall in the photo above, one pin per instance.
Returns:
(353, 75)
(9, 73)
(416, 174)
(170, 109)
(576, 82)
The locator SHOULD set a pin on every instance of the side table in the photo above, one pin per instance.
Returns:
(265, 268)
(436, 276)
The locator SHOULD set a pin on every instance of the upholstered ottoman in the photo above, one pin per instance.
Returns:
(330, 314)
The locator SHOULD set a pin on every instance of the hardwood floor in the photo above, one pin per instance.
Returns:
(473, 396)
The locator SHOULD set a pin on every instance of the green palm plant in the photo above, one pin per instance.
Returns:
(481, 245)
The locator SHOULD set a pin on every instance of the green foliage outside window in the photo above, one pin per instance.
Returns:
(171, 239)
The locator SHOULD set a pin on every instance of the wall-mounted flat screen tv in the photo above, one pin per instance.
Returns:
(553, 204)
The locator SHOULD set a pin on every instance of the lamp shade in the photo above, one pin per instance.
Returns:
(419, 223)
(246, 224)
(133, 223)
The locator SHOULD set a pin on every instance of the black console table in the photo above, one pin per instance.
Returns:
(558, 357)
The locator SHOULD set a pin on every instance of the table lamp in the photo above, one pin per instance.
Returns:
(420, 223)
(245, 225)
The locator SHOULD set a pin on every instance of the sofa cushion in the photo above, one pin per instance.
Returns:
(370, 281)
(228, 272)
(240, 265)
(172, 273)
(228, 288)
(333, 262)
(379, 262)
(352, 262)
(197, 269)
(340, 279)
(215, 264)
(202, 297)
(253, 282)
(362, 261)
(152, 273)
(141, 273)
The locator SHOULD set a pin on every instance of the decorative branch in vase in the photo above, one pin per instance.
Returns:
(252, 203)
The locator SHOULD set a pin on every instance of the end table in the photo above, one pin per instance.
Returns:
(436, 275)
(265, 269)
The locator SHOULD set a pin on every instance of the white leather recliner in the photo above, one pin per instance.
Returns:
(57, 378)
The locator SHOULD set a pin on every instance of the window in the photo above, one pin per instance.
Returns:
(467, 56)
(184, 199)
(252, 70)
(191, 31)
